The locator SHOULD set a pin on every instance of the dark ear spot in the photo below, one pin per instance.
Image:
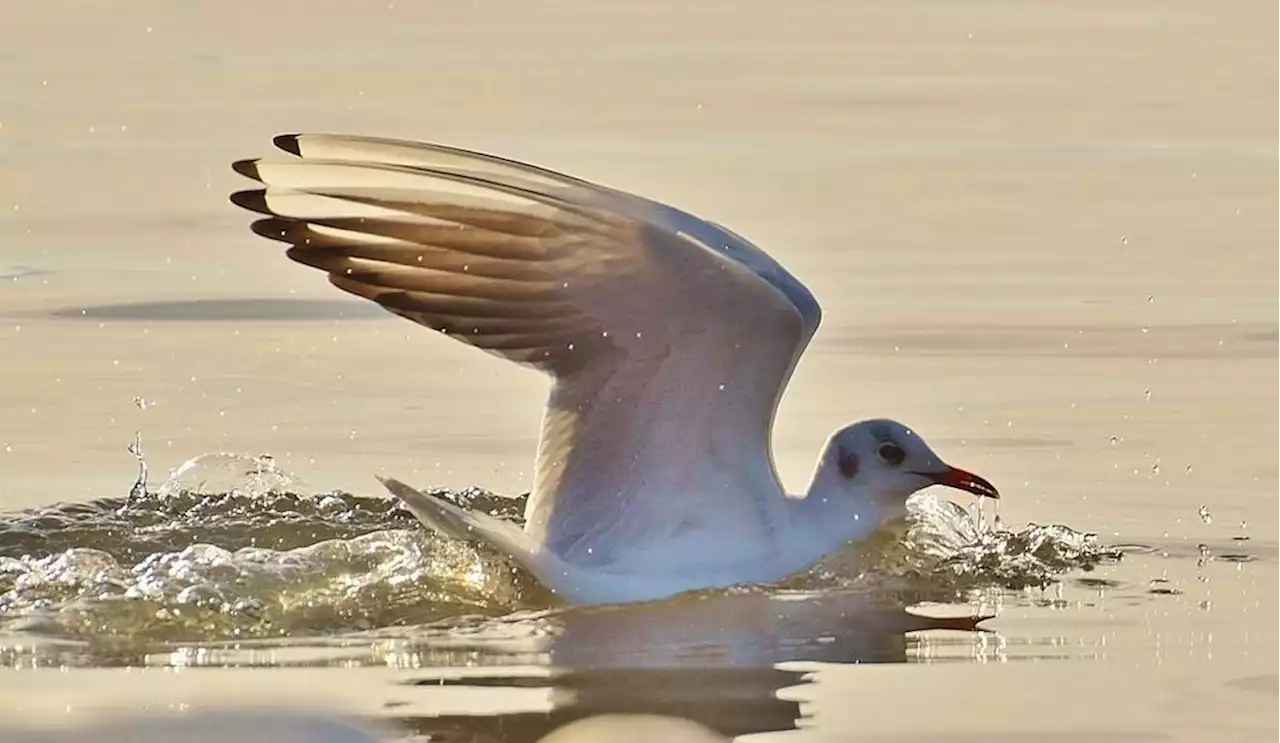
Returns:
(848, 463)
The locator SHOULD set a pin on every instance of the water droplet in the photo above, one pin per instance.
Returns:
(721, 387)
(1146, 395)
(1115, 440)
(1205, 516)
(1151, 299)
(139, 488)
(1145, 330)
(1124, 241)
(142, 403)
(1155, 468)
(1188, 469)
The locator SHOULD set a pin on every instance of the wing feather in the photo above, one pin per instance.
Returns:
(669, 338)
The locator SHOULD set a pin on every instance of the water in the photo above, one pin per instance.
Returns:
(951, 181)
(254, 726)
(226, 567)
(225, 551)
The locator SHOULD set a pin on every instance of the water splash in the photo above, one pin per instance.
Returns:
(230, 548)
(139, 488)
(942, 553)
(223, 472)
(223, 549)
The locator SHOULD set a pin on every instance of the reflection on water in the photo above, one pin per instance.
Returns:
(732, 701)
(12, 273)
(263, 309)
(257, 726)
(244, 725)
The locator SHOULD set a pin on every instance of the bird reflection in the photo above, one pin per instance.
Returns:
(255, 725)
(709, 659)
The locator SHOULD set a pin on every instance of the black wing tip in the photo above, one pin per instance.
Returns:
(247, 168)
(254, 200)
(288, 143)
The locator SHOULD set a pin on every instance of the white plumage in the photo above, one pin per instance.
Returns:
(669, 341)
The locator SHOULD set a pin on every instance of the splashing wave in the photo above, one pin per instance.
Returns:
(225, 550)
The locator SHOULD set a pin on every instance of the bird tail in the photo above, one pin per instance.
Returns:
(456, 522)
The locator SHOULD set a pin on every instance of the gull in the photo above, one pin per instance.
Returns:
(668, 339)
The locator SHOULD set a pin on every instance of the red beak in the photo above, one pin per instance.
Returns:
(954, 477)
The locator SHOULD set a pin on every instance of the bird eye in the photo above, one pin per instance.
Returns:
(891, 453)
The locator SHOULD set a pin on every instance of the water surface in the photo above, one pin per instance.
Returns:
(225, 566)
(1043, 235)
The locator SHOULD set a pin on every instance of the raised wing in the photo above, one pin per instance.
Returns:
(669, 338)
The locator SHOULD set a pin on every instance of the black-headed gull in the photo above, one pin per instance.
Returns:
(669, 340)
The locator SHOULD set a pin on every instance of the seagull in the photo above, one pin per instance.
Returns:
(668, 339)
